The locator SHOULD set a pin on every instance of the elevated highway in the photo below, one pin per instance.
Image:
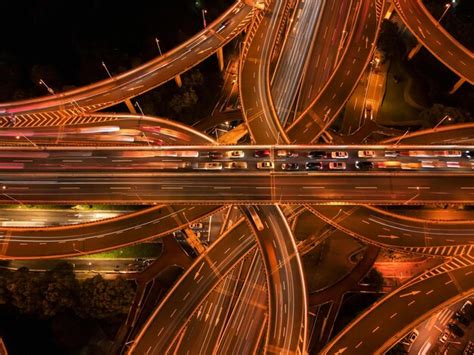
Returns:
(436, 39)
(389, 319)
(136, 81)
(446, 238)
(179, 174)
(87, 238)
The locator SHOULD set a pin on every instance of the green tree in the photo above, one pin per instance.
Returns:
(101, 298)
(24, 290)
(433, 115)
(390, 41)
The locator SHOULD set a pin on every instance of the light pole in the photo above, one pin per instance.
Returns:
(29, 140)
(41, 82)
(158, 45)
(204, 12)
(4, 187)
(446, 8)
(442, 120)
(106, 69)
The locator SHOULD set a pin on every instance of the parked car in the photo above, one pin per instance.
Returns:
(457, 331)
(196, 225)
(443, 338)
(461, 318)
(410, 337)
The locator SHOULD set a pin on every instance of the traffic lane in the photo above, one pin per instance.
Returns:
(392, 231)
(389, 319)
(287, 322)
(174, 311)
(255, 81)
(433, 36)
(365, 188)
(147, 76)
(53, 242)
(203, 331)
(250, 310)
(307, 127)
(327, 45)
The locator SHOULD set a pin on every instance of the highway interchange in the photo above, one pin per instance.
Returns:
(55, 150)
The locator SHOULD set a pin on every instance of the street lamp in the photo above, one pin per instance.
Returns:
(29, 140)
(51, 91)
(158, 45)
(442, 120)
(4, 187)
(446, 8)
(106, 69)
(204, 12)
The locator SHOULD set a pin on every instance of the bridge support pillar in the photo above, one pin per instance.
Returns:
(415, 50)
(457, 85)
(130, 106)
(220, 58)
(178, 80)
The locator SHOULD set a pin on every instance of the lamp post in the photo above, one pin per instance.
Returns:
(106, 69)
(446, 8)
(4, 187)
(29, 140)
(158, 45)
(41, 82)
(204, 12)
(442, 120)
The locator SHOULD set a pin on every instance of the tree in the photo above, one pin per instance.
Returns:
(390, 41)
(101, 298)
(433, 115)
(375, 278)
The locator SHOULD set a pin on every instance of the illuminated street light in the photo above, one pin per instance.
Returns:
(446, 8)
(106, 69)
(158, 45)
(41, 82)
(442, 120)
(29, 140)
(204, 12)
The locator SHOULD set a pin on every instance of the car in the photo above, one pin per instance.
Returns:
(433, 164)
(443, 338)
(411, 166)
(366, 153)
(235, 165)
(216, 155)
(235, 154)
(461, 318)
(336, 165)
(265, 165)
(317, 165)
(290, 166)
(223, 25)
(282, 153)
(390, 164)
(259, 4)
(410, 337)
(448, 153)
(456, 330)
(264, 153)
(339, 155)
(209, 166)
(368, 112)
(364, 165)
(317, 154)
(196, 225)
(392, 153)
(453, 164)
(469, 154)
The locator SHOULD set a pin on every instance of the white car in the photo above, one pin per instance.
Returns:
(235, 154)
(339, 155)
(410, 337)
(444, 337)
(366, 153)
(209, 166)
(195, 226)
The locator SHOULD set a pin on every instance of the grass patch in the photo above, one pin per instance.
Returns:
(143, 250)
(395, 110)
